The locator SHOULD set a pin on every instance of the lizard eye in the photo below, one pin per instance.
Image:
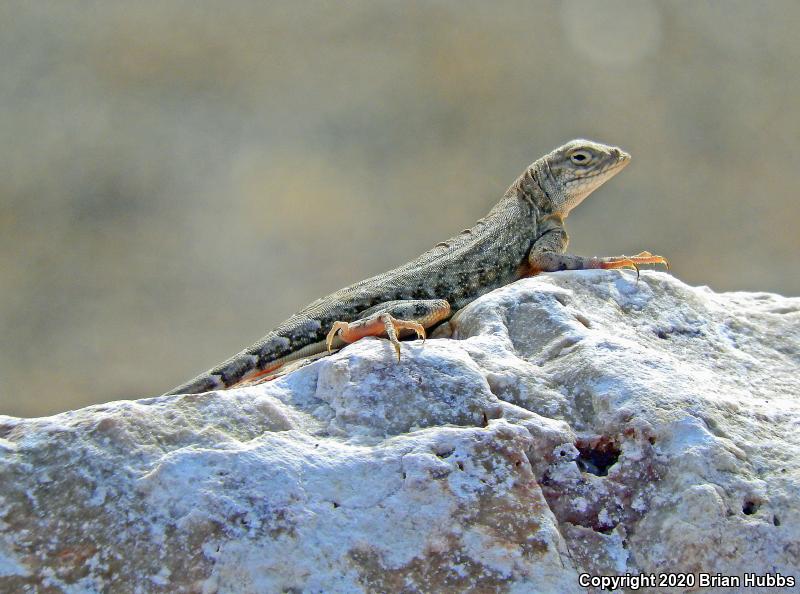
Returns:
(580, 157)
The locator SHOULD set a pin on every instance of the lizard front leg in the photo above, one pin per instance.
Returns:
(547, 255)
(392, 319)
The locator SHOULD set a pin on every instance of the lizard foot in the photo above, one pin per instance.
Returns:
(380, 325)
(633, 262)
(391, 319)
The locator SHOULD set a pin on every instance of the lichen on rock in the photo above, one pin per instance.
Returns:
(572, 422)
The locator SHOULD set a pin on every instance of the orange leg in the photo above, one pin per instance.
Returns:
(553, 262)
(379, 321)
(632, 261)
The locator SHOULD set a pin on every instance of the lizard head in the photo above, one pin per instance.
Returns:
(573, 171)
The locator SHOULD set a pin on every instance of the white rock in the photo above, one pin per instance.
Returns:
(576, 422)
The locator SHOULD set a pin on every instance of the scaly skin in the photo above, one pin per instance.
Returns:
(521, 236)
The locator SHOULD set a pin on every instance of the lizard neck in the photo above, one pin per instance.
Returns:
(536, 186)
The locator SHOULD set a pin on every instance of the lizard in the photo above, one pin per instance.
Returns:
(522, 235)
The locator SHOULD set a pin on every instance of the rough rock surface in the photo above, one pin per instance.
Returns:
(575, 422)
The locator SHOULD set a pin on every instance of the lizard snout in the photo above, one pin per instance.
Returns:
(621, 155)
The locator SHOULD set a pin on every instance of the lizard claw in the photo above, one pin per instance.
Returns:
(396, 324)
(335, 330)
(419, 329)
(621, 262)
(393, 325)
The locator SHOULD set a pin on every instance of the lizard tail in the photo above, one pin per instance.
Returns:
(220, 377)
(202, 383)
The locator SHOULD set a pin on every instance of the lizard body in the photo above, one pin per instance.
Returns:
(522, 235)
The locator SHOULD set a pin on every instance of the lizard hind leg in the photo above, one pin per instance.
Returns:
(392, 319)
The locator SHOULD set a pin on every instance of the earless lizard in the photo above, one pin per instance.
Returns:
(521, 236)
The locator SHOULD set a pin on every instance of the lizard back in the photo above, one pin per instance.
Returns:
(490, 254)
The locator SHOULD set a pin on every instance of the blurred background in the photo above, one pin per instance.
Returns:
(178, 177)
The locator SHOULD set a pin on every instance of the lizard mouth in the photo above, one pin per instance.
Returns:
(581, 187)
(624, 159)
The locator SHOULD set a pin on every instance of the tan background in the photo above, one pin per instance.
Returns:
(177, 177)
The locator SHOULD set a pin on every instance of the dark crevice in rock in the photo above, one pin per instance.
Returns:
(666, 333)
(446, 453)
(592, 499)
(597, 455)
(583, 320)
(596, 526)
(750, 507)
(776, 521)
